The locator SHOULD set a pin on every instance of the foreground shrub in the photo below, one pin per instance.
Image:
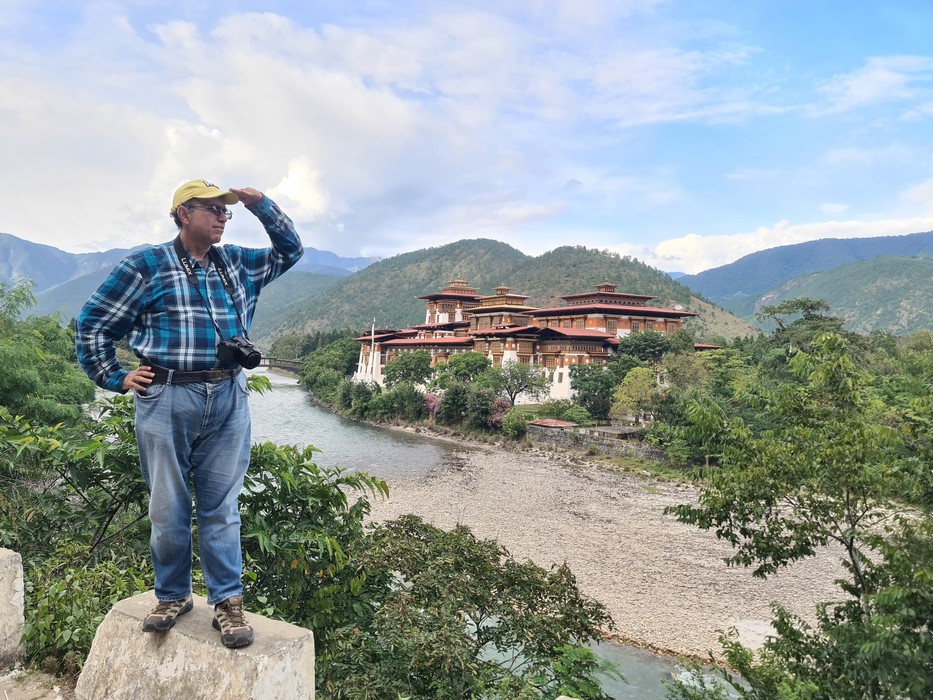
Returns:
(66, 601)
(460, 618)
(299, 525)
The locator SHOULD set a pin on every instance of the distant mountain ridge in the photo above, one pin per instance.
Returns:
(880, 283)
(388, 291)
(64, 280)
(48, 266)
(887, 293)
(738, 286)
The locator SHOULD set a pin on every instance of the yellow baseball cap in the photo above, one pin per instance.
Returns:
(201, 189)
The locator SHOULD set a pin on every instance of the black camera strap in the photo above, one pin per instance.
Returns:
(188, 266)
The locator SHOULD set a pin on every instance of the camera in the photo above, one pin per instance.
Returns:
(238, 350)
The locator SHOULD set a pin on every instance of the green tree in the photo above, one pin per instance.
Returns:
(462, 367)
(647, 346)
(324, 369)
(408, 368)
(38, 375)
(828, 471)
(633, 397)
(453, 406)
(682, 341)
(514, 378)
(291, 346)
(480, 408)
(809, 310)
(593, 386)
(460, 618)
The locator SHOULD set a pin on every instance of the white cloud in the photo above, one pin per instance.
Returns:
(920, 196)
(751, 174)
(868, 156)
(833, 208)
(882, 79)
(694, 253)
(301, 191)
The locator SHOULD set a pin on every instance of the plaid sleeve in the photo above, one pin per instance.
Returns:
(106, 318)
(263, 265)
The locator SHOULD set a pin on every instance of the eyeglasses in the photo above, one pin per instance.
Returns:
(214, 209)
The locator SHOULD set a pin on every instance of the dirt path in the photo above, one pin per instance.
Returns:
(664, 583)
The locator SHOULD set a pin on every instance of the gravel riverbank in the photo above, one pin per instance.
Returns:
(665, 584)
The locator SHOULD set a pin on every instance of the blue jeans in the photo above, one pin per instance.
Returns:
(198, 432)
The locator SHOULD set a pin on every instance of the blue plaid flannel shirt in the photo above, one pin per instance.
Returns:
(148, 300)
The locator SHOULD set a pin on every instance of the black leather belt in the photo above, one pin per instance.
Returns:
(212, 376)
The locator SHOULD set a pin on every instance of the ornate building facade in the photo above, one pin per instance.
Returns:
(585, 330)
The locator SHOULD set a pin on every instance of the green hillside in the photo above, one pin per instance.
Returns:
(738, 286)
(388, 290)
(885, 294)
(573, 269)
(280, 300)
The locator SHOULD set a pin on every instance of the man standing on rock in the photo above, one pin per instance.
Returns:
(185, 308)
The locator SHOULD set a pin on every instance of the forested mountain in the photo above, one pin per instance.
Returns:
(886, 294)
(388, 291)
(48, 266)
(283, 299)
(742, 286)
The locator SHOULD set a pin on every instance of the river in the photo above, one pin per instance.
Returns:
(286, 415)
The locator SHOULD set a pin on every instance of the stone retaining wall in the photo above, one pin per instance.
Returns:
(579, 440)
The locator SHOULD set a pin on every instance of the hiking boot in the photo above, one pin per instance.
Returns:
(230, 619)
(163, 615)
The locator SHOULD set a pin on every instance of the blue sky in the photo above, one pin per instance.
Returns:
(685, 133)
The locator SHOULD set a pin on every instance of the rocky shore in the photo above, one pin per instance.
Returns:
(665, 584)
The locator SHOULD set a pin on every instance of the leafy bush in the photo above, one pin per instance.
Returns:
(360, 394)
(379, 408)
(39, 378)
(298, 526)
(554, 408)
(46, 471)
(515, 423)
(459, 618)
(323, 370)
(66, 601)
(453, 405)
(409, 403)
(480, 408)
(576, 414)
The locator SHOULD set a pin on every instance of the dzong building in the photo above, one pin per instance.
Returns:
(584, 330)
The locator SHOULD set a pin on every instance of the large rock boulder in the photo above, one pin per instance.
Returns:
(189, 661)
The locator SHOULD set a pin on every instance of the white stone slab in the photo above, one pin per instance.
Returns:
(12, 621)
(189, 661)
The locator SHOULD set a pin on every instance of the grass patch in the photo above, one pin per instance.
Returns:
(662, 471)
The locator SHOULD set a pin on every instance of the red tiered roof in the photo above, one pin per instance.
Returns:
(573, 310)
